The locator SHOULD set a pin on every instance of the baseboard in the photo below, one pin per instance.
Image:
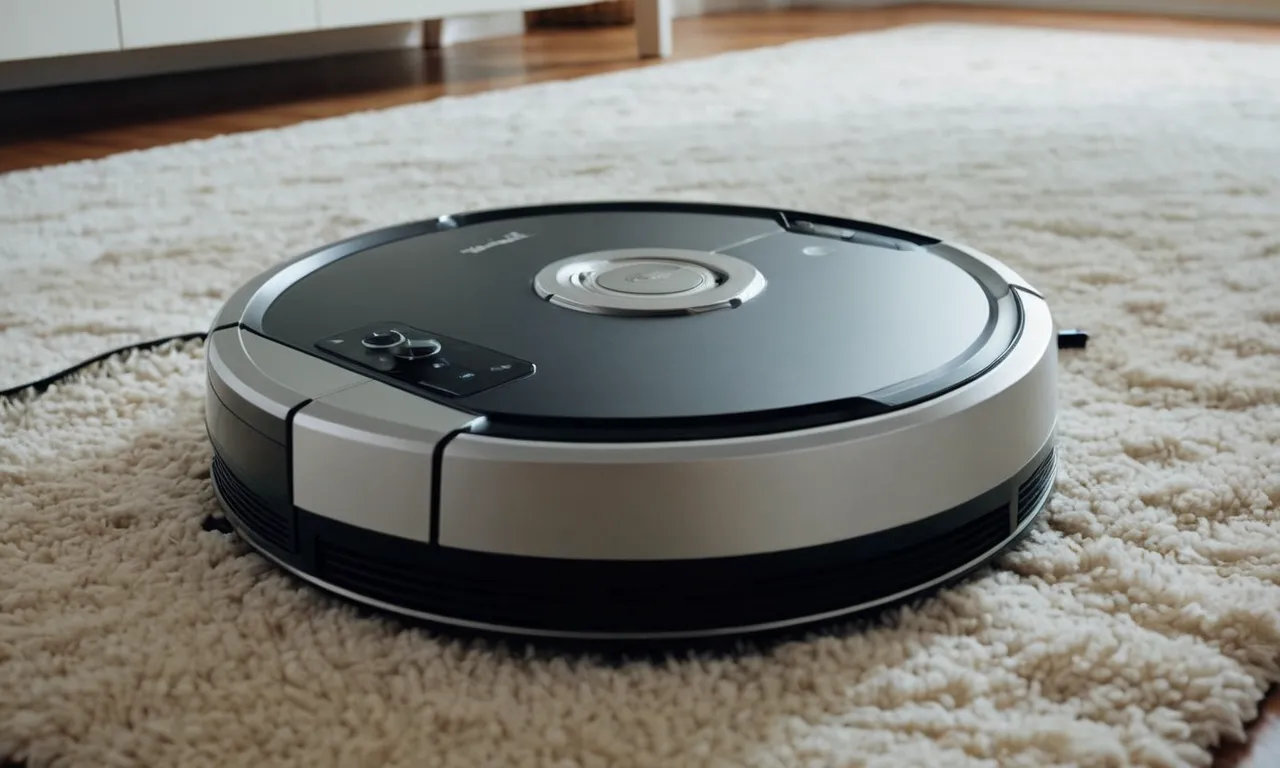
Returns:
(116, 65)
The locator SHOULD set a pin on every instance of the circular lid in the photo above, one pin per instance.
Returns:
(650, 321)
(653, 277)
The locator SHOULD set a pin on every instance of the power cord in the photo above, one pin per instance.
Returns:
(41, 385)
(1067, 339)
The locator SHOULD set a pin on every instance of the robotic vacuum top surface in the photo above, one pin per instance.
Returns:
(649, 321)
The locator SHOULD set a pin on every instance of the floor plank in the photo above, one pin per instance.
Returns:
(67, 124)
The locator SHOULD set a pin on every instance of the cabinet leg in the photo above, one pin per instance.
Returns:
(653, 28)
(431, 33)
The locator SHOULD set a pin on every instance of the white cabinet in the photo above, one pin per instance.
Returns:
(40, 39)
(31, 29)
(147, 23)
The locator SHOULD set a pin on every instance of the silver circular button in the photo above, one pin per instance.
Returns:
(653, 277)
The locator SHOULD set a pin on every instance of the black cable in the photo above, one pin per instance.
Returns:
(41, 385)
(1067, 339)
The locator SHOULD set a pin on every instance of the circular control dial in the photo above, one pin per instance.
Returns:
(383, 340)
(416, 349)
(395, 342)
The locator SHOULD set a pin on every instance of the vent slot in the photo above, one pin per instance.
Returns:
(254, 512)
(639, 596)
(1033, 490)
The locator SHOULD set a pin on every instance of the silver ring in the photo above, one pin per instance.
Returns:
(572, 282)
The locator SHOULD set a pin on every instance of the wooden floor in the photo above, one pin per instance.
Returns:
(66, 124)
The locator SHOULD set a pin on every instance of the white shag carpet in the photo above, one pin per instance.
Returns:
(1135, 180)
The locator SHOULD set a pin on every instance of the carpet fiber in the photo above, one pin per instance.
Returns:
(1136, 181)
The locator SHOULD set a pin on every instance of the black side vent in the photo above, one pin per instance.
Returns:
(627, 596)
(1036, 487)
(270, 525)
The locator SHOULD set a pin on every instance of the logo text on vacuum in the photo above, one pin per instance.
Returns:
(506, 239)
(653, 274)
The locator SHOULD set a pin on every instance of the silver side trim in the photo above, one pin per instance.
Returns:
(624, 636)
(261, 381)
(364, 456)
(767, 493)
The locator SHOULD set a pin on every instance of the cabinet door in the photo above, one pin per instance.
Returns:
(31, 29)
(145, 23)
(353, 13)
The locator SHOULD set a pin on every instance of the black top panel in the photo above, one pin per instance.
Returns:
(855, 319)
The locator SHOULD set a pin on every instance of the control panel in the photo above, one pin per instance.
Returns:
(422, 358)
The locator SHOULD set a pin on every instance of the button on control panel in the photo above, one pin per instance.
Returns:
(425, 359)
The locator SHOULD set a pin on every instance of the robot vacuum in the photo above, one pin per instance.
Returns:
(633, 420)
